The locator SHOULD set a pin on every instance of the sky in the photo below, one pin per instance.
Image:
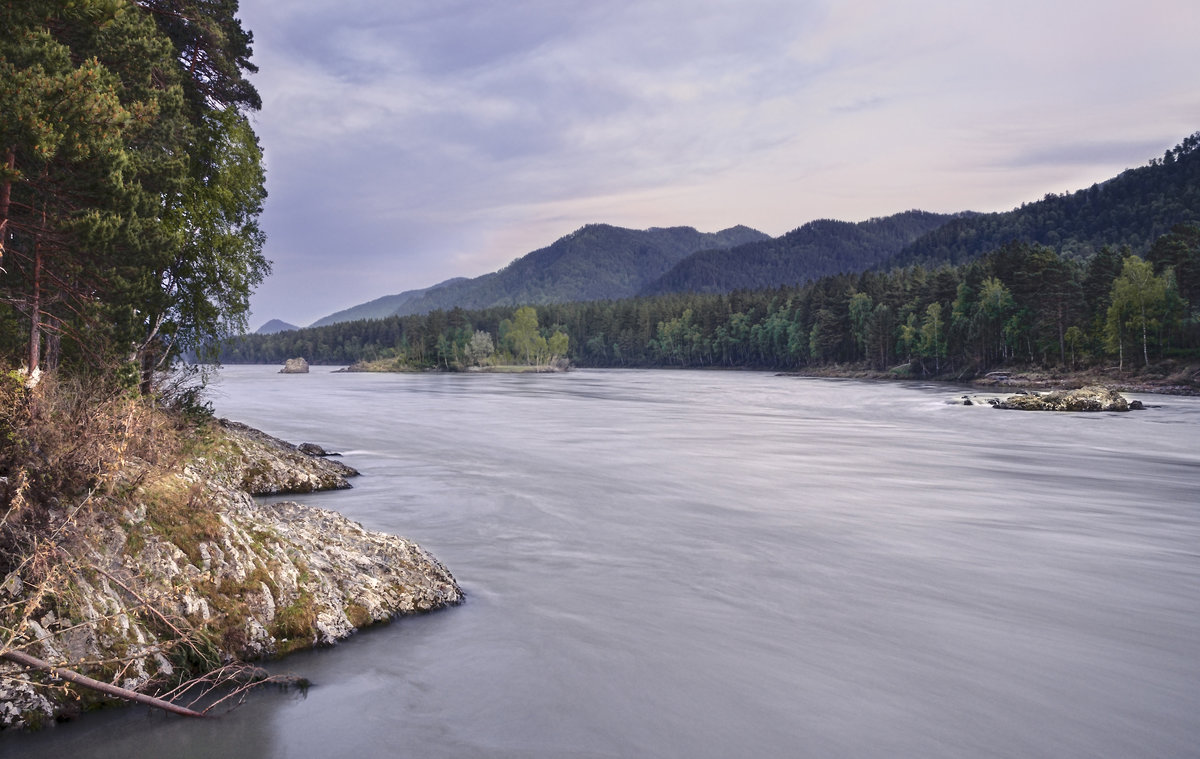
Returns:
(410, 142)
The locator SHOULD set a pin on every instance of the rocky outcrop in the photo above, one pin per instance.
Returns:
(312, 449)
(192, 563)
(1092, 398)
(294, 366)
(263, 465)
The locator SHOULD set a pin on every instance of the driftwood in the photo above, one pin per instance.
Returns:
(25, 660)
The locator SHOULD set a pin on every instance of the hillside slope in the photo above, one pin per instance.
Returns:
(817, 249)
(1133, 208)
(381, 308)
(596, 262)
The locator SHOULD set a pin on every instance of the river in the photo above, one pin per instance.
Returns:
(733, 564)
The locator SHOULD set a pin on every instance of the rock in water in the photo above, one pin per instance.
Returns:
(1092, 398)
(312, 449)
(294, 366)
(264, 465)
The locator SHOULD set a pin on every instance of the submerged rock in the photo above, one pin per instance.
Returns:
(1091, 398)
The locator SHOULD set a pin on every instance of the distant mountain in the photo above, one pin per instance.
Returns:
(817, 249)
(603, 262)
(273, 326)
(381, 308)
(596, 262)
(1133, 208)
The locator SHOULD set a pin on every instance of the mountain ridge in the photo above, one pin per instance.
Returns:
(595, 262)
(605, 262)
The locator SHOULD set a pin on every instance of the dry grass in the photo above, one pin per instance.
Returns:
(75, 456)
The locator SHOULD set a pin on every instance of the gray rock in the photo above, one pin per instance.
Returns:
(294, 366)
(265, 465)
(1092, 398)
(312, 449)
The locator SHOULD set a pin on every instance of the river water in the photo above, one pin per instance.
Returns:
(705, 564)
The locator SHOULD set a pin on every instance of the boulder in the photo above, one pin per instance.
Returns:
(312, 449)
(264, 465)
(294, 366)
(1092, 398)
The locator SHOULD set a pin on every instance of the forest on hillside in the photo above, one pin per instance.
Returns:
(818, 249)
(1021, 304)
(599, 261)
(1132, 209)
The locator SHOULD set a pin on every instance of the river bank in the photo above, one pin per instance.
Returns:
(166, 571)
(1166, 377)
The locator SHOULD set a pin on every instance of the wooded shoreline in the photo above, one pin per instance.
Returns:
(1173, 380)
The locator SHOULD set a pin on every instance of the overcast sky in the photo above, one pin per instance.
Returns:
(410, 142)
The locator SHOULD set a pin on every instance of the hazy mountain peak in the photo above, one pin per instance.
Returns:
(273, 326)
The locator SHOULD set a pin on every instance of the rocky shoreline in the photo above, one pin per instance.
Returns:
(196, 563)
(1168, 378)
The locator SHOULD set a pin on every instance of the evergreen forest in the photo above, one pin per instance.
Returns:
(1022, 304)
(130, 183)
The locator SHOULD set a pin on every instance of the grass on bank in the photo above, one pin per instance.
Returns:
(85, 461)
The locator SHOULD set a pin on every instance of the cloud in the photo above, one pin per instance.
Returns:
(423, 141)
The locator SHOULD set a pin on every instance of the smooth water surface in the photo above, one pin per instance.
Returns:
(703, 564)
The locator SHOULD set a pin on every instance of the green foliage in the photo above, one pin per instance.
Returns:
(1003, 301)
(480, 349)
(522, 337)
(1133, 209)
(1020, 303)
(818, 249)
(596, 262)
(1139, 304)
(130, 183)
(1179, 250)
(932, 342)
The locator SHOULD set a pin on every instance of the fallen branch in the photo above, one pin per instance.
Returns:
(25, 660)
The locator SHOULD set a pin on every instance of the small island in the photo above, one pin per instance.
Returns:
(294, 366)
(1088, 398)
(524, 348)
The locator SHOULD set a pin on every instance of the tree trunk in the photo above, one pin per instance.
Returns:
(6, 200)
(1062, 340)
(35, 310)
(25, 660)
(1145, 349)
(1120, 348)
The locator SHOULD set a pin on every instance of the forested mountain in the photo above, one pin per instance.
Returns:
(817, 249)
(383, 307)
(595, 262)
(602, 262)
(1023, 304)
(1134, 208)
(1015, 302)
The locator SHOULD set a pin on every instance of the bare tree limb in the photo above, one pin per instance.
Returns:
(25, 660)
